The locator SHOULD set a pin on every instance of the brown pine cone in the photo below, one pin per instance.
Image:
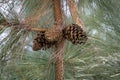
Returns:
(75, 34)
(40, 42)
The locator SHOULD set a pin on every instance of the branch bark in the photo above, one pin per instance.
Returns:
(21, 26)
(74, 13)
(60, 44)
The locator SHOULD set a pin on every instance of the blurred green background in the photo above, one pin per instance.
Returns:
(98, 59)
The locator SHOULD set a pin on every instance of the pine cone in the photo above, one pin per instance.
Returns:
(54, 33)
(75, 34)
(40, 42)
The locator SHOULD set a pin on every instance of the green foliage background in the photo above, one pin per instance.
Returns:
(98, 59)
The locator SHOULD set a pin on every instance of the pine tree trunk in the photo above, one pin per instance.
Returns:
(60, 44)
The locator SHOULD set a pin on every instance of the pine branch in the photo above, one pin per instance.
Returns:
(74, 12)
(3, 22)
(22, 26)
(60, 44)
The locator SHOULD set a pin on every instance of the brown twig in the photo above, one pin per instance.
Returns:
(21, 26)
(74, 13)
(37, 29)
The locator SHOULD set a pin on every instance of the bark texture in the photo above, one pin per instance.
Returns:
(60, 45)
